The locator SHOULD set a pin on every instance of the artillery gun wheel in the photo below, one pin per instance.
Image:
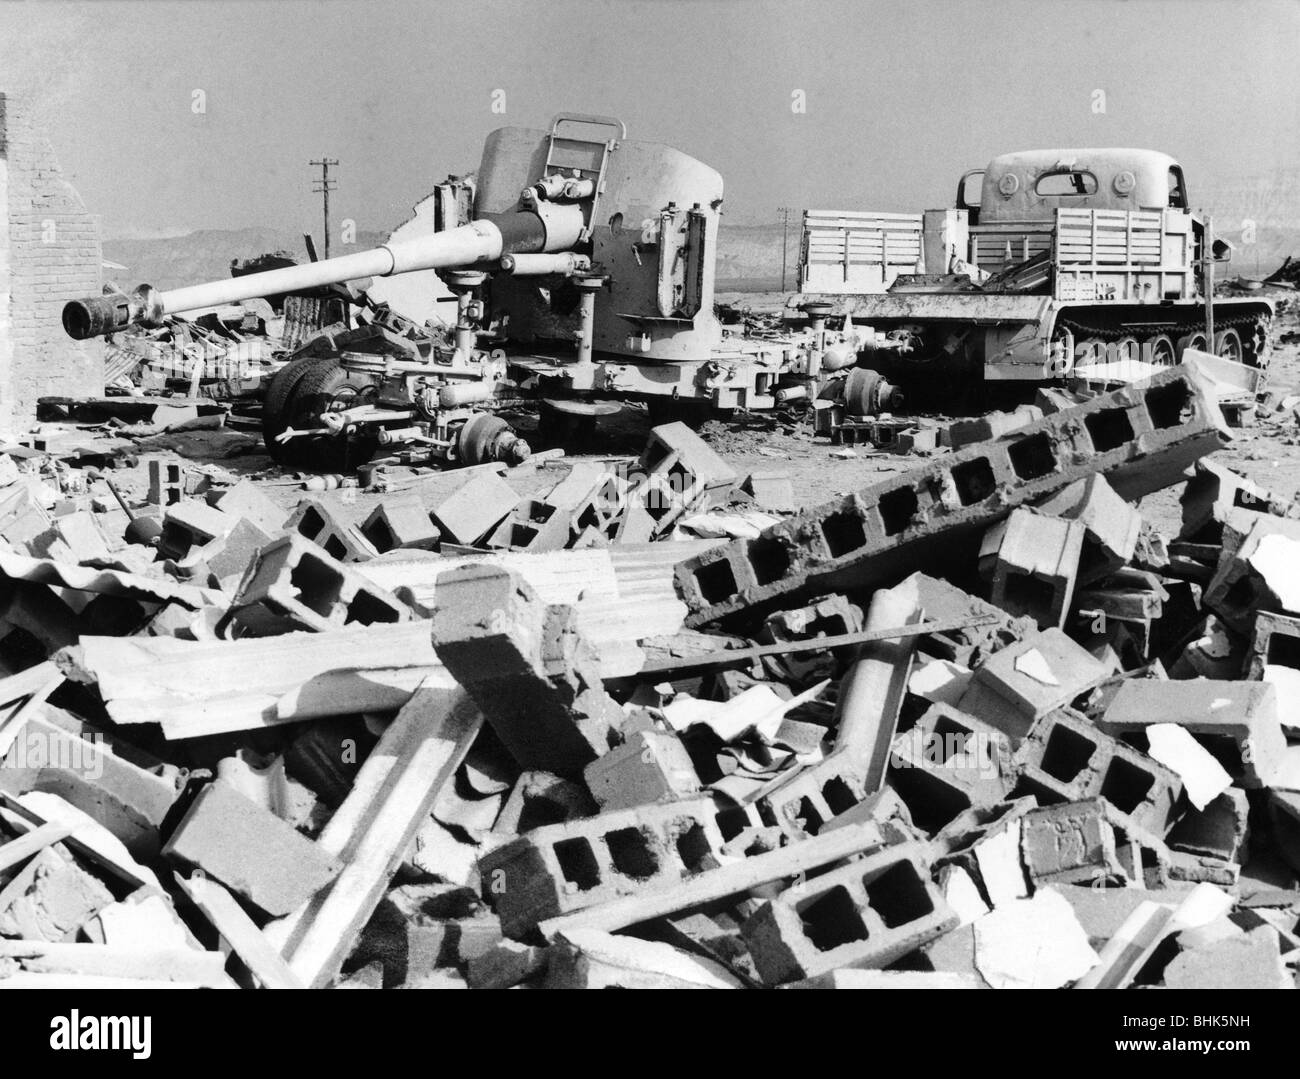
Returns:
(298, 394)
(275, 414)
(327, 387)
(1227, 343)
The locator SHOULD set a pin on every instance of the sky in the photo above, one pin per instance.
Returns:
(177, 116)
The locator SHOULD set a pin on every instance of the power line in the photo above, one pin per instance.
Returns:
(324, 186)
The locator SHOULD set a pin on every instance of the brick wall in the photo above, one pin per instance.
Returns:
(49, 253)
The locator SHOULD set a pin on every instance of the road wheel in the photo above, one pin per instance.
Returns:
(1194, 340)
(1227, 343)
(1162, 351)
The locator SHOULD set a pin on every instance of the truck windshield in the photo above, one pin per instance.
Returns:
(1066, 183)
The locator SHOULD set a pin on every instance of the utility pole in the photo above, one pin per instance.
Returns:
(785, 213)
(325, 185)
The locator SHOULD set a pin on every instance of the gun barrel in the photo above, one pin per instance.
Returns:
(480, 241)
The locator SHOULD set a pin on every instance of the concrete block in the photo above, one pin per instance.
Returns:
(675, 448)
(401, 522)
(991, 425)
(166, 482)
(1072, 843)
(74, 538)
(945, 602)
(825, 616)
(540, 798)
(1211, 495)
(948, 763)
(527, 666)
(533, 524)
(1112, 526)
(1251, 961)
(1067, 758)
(126, 790)
(651, 766)
(561, 868)
(771, 489)
(1236, 721)
(505, 964)
(869, 913)
(314, 520)
(1220, 830)
(1274, 642)
(1026, 680)
(1033, 560)
(471, 510)
(293, 584)
(803, 802)
(1140, 437)
(245, 499)
(227, 558)
(250, 850)
(190, 523)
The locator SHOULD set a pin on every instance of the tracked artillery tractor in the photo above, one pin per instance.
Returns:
(582, 263)
(1053, 264)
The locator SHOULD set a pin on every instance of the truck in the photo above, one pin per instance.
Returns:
(582, 263)
(1051, 264)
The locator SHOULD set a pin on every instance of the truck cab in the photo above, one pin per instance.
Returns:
(1032, 185)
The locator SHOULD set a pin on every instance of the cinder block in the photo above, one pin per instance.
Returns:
(227, 558)
(1027, 679)
(1211, 495)
(1219, 831)
(826, 616)
(245, 499)
(991, 425)
(293, 584)
(1112, 525)
(1066, 758)
(1071, 843)
(562, 868)
(869, 913)
(73, 538)
(1237, 722)
(1241, 586)
(1032, 561)
(473, 509)
(401, 522)
(695, 458)
(250, 850)
(315, 521)
(651, 766)
(1140, 437)
(190, 523)
(803, 802)
(541, 798)
(945, 602)
(527, 666)
(166, 482)
(947, 764)
(771, 489)
(1275, 642)
(532, 525)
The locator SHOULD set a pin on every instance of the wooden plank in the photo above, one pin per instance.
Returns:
(238, 930)
(728, 657)
(188, 965)
(393, 794)
(31, 844)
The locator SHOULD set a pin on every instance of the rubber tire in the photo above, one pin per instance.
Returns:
(324, 453)
(275, 415)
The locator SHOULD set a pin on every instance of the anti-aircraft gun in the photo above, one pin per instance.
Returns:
(583, 265)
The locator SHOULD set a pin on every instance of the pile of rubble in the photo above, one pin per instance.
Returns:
(979, 724)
